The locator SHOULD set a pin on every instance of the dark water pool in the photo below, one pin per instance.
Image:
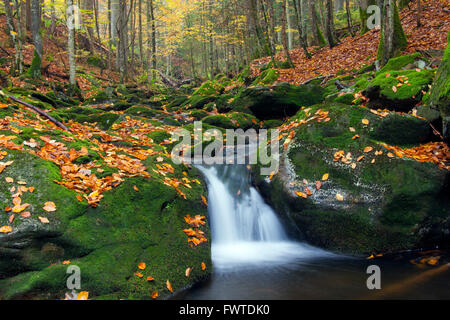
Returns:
(324, 278)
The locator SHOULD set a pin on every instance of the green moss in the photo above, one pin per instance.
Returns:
(220, 121)
(35, 68)
(267, 77)
(142, 112)
(209, 88)
(159, 136)
(417, 81)
(345, 98)
(400, 62)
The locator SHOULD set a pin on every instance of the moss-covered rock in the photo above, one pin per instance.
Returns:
(104, 120)
(389, 204)
(107, 243)
(399, 90)
(267, 77)
(277, 102)
(440, 93)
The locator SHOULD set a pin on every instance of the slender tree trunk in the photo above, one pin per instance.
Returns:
(71, 42)
(284, 35)
(419, 13)
(349, 16)
(28, 14)
(141, 42)
(317, 33)
(330, 24)
(35, 69)
(301, 32)
(153, 31)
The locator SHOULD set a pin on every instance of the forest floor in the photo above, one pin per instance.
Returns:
(355, 52)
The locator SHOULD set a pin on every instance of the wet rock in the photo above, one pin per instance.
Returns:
(389, 203)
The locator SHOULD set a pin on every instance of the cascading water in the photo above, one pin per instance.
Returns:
(245, 230)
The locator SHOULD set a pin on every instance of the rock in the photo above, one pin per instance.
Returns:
(389, 205)
(440, 94)
(398, 90)
(277, 102)
(106, 242)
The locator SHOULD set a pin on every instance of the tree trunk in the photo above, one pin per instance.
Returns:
(71, 41)
(317, 33)
(363, 16)
(284, 34)
(393, 38)
(35, 69)
(330, 24)
(301, 31)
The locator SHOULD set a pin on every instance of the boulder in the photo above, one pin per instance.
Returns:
(386, 203)
(279, 101)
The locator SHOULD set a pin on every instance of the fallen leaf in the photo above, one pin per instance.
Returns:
(188, 272)
(66, 262)
(138, 274)
(6, 229)
(340, 197)
(318, 185)
(49, 206)
(135, 188)
(44, 220)
(368, 149)
(365, 122)
(142, 266)
(9, 180)
(83, 295)
(203, 266)
(302, 195)
(205, 202)
(25, 214)
(155, 294)
(169, 286)
(325, 177)
(150, 279)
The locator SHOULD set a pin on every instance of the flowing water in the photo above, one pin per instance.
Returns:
(254, 258)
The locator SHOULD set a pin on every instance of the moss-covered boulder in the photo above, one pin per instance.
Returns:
(440, 93)
(373, 201)
(142, 220)
(277, 102)
(399, 90)
(104, 120)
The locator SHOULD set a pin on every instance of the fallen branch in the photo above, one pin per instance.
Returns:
(39, 111)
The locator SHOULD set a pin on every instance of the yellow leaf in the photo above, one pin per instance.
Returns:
(5, 229)
(325, 177)
(340, 197)
(188, 272)
(83, 295)
(365, 122)
(155, 294)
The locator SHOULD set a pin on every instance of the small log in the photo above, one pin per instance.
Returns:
(39, 111)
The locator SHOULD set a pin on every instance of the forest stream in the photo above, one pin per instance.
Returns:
(254, 259)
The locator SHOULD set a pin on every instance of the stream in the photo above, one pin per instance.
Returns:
(254, 259)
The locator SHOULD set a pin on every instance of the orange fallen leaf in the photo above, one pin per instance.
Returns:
(203, 266)
(365, 122)
(79, 198)
(340, 197)
(368, 149)
(44, 220)
(9, 180)
(83, 295)
(66, 262)
(49, 206)
(6, 229)
(135, 188)
(318, 185)
(205, 202)
(155, 295)
(169, 286)
(25, 214)
(31, 189)
(138, 274)
(142, 266)
(150, 279)
(302, 195)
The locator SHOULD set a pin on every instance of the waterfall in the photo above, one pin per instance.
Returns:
(245, 230)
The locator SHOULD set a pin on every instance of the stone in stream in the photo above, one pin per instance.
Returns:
(377, 204)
